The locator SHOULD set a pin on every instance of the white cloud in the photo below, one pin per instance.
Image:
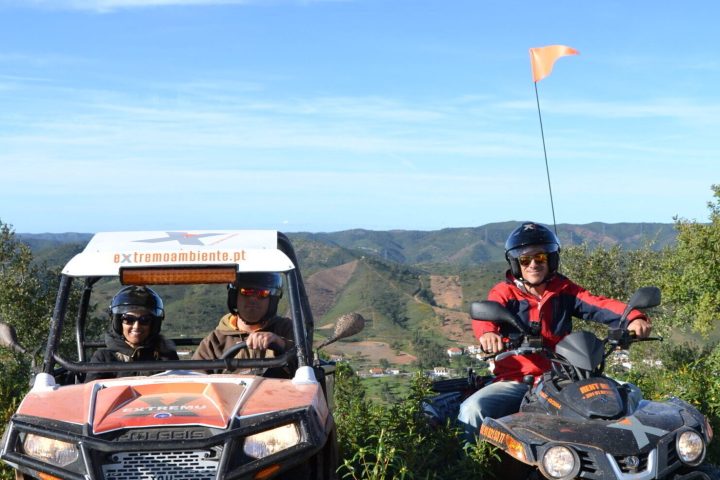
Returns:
(108, 6)
(677, 108)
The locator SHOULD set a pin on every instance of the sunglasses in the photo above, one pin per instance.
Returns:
(255, 292)
(525, 260)
(129, 319)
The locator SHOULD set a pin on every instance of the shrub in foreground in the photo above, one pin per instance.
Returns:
(396, 441)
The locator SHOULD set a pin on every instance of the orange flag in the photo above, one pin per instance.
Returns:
(542, 59)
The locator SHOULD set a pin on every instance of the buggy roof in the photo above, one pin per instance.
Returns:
(250, 250)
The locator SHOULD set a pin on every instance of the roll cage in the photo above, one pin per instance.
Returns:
(93, 264)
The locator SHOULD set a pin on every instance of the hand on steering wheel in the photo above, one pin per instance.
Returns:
(233, 350)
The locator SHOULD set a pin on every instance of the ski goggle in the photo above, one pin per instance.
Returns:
(525, 260)
(130, 319)
(255, 292)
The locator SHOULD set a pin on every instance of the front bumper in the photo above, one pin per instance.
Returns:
(171, 453)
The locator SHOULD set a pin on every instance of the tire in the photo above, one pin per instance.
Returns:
(321, 466)
(328, 462)
(710, 470)
(506, 467)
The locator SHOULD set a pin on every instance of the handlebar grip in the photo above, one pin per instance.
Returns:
(518, 351)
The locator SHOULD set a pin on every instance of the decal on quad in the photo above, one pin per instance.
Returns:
(550, 400)
(638, 429)
(493, 434)
(594, 389)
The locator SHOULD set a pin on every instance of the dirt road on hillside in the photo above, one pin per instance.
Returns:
(448, 295)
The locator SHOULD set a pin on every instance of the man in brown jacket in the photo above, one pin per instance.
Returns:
(252, 300)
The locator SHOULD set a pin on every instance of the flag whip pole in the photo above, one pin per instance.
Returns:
(547, 168)
(542, 60)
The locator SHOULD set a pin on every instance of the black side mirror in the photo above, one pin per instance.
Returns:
(644, 297)
(496, 313)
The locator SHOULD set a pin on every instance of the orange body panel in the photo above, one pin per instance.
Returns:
(273, 395)
(171, 401)
(166, 404)
(68, 404)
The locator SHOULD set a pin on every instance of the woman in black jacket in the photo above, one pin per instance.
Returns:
(136, 315)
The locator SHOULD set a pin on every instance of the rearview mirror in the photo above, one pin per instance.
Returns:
(8, 338)
(346, 326)
(644, 297)
(496, 313)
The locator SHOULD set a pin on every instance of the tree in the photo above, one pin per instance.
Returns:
(616, 273)
(612, 272)
(692, 276)
(27, 291)
(27, 295)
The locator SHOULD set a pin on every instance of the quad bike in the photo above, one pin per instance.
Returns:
(576, 422)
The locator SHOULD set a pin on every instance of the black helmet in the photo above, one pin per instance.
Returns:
(532, 234)
(264, 280)
(133, 299)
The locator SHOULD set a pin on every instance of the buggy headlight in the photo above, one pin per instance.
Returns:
(272, 441)
(559, 462)
(690, 447)
(50, 450)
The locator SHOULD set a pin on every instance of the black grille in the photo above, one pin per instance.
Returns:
(174, 465)
(588, 464)
(672, 455)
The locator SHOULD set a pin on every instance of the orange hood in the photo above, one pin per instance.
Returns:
(142, 402)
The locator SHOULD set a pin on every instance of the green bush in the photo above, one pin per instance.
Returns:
(691, 374)
(397, 441)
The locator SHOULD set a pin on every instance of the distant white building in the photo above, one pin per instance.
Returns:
(454, 352)
(474, 349)
(441, 372)
(653, 363)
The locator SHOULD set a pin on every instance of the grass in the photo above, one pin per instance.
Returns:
(381, 389)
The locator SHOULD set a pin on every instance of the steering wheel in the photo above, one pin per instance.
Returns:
(233, 350)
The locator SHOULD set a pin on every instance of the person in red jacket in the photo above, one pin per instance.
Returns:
(545, 301)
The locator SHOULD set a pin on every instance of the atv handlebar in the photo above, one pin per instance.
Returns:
(518, 344)
(622, 338)
(617, 339)
(518, 351)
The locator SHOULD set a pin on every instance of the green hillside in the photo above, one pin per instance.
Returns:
(386, 276)
(473, 246)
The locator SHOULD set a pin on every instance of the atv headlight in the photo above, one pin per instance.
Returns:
(49, 450)
(559, 462)
(690, 447)
(272, 441)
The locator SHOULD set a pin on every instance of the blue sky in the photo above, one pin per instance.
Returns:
(329, 115)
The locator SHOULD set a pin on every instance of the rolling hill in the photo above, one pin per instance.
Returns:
(413, 287)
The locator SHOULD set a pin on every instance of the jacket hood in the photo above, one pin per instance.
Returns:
(227, 324)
